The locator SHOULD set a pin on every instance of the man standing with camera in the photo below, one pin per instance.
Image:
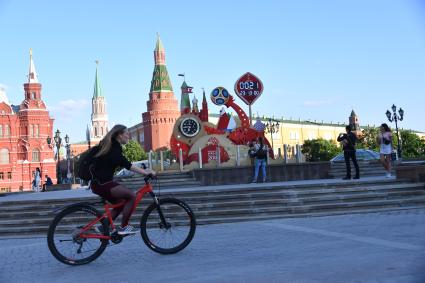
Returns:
(348, 141)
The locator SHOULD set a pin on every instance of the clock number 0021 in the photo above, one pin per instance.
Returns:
(248, 85)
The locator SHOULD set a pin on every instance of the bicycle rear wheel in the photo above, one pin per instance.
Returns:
(64, 235)
(173, 235)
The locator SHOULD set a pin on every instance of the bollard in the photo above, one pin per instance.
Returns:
(217, 155)
(279, 153)
(285, 154)
(200, 157)
(161, 157)
(237, 156)
(181, 159)
(150, 159)
(298, 156)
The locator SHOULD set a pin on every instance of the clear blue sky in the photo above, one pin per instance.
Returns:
(317, 59)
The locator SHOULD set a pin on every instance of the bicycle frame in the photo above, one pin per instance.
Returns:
(147, 188)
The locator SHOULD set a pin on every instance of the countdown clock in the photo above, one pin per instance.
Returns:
(189, 127)
(249, 88)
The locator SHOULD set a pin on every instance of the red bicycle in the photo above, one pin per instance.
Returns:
(79, 233)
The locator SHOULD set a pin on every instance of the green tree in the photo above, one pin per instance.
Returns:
(134, 152)
(319, 150)
(412, 145)
(368, 139)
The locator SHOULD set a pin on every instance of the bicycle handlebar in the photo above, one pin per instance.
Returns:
(148, 177)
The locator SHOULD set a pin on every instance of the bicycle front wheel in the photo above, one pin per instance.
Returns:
(175, 233)
(64, 236)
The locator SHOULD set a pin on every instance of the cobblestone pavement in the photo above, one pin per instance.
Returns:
(373, 247)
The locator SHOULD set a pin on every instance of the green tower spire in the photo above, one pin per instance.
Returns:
(97, 90)
(185, 100)
(160, 79)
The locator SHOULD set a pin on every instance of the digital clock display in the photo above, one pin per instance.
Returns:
(248, 87)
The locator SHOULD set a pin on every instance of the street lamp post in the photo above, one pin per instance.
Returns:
(394, 117)
(68, 156)
(272, 127)
(58, 143)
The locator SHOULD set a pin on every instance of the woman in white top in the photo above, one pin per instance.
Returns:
(37, 179)
(385, 142)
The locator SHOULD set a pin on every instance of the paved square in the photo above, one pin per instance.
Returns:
(373, 247)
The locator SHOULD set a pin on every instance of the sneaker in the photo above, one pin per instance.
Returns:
(388, 175)
(127, 230)
(356, 177)
(253, 181)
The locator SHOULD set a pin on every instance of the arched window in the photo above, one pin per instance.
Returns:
(4, 156)
(36, 155)
(22, 153)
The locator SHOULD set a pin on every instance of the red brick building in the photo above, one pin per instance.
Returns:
(23, 132)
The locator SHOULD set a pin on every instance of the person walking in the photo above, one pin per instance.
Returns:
(348, 141)
(108, 158)
(260, 159)
(385, 148)
(36, 181)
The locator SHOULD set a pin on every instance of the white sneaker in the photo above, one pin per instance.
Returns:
(127, 230)
(388, 175)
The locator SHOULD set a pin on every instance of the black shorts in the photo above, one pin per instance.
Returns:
(104, 190)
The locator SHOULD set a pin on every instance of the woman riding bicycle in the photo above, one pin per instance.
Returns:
(108, 158)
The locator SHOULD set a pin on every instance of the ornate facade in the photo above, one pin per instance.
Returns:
(24, 130)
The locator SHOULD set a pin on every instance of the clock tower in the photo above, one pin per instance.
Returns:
(162, 107)
(99, 116)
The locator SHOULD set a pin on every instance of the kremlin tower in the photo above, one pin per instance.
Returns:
(185, 100)
(162, 107)
(99, 117)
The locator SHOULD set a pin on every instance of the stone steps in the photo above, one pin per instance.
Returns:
(274, 195)
(373, 168)
(168, 180)
(242, 203)
(234, 203)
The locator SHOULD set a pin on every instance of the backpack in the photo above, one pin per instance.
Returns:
(86, 164)
(261, 153)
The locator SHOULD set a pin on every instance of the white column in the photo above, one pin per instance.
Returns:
(298, 156)
(181, 159)
(285, 153)
(200, 157)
